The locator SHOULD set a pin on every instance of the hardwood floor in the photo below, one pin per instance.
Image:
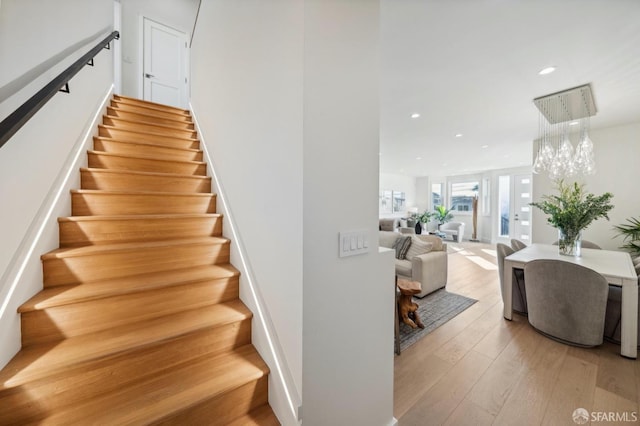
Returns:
(480, 369)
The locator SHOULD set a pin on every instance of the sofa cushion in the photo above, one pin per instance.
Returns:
(403, 267)
(387, 239)
(433, 239)
(401, 245)
(417, 248)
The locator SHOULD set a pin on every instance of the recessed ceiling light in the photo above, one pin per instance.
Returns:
(415, 115)
(547, 70)
(485, 146)
(574, 123)
(418, 158)
(458, 135)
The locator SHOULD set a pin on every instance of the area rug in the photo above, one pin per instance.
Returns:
(434, 310)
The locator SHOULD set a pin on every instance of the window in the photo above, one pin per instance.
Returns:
(436, 195)
(462, 195)
(504, 190)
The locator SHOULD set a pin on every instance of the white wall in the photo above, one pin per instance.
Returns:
(35, 162)
(406, 184)
(348, 302)
(177, 14)
(617, 150)
(247, 93)
(285, 106)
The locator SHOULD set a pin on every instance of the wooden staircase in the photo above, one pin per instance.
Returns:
(139, 321)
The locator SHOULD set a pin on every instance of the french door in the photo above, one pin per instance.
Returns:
(514, 218)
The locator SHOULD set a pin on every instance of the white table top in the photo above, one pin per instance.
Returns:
(616, 266)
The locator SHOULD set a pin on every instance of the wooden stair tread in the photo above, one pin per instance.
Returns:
(144, 132)
(160, 127)
(147, 144)
(149, 104)
(261, 416)
(142, 173)
(170, 392)
(161, 193)
(148, 110)
(68, 252)
(144, 157)
(64, 295)
(135, 217)
(42, 360)
(150, 113)
(138, 117)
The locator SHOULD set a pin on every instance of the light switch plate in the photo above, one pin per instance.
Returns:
(351, 243)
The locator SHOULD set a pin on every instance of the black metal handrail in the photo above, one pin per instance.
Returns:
(10, 125)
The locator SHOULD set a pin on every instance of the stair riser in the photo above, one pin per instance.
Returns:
(133, 136)
(148, 118)
(64, 321)
(174, 143)
(94, 378)
(116, 162)
(225, 408)
(99, 266)
(148, 104)
(142, 127)
(93, 204)
(129, 148)
(123, 106)
(79, 233)
(106, 181)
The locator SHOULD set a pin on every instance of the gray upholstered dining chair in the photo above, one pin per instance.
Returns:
(519, 298)
(566, 301)
(517, 244)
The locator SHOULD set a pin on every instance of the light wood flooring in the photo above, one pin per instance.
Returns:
(480, 369)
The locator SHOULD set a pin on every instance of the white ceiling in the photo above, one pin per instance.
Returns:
(471, 67)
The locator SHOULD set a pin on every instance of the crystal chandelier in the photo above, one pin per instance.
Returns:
(560, 114)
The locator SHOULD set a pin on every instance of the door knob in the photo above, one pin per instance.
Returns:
(148, 75)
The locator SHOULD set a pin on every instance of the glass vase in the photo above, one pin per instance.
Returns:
(569, 243)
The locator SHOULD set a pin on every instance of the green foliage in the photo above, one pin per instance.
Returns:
(631, 234)
(443, 214)
(426, 216)
(573, 210)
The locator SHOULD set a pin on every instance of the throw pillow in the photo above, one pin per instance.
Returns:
(401, 245)
(418, 247)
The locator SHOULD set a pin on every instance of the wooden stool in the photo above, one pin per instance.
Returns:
(408, 310)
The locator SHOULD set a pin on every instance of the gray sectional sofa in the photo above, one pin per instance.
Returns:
(425, 260)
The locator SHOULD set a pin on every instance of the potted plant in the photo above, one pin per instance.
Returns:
(443, 214)
(571, 211)
(631, 235)
(425, 218)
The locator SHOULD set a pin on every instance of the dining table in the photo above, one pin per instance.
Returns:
(615, 266)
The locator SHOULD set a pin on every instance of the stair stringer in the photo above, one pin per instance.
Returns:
(23, 277)
(284, 397)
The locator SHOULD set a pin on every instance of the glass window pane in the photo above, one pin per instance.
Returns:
(462, 195)
(503, 205)
(436, 195)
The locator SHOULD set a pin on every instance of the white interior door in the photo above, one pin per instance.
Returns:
(164, 65)
(522, 209)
